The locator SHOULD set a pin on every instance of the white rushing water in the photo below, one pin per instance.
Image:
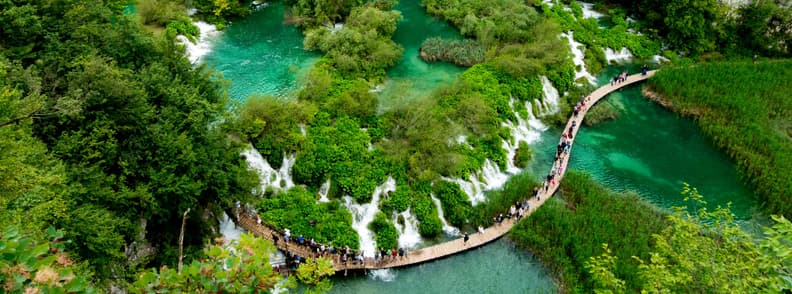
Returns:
(523, 130)
(202, 46)
(323, 190)
(448, 229)
(577, 58)
(385, 275)
(488, 178)
(588, 10)
(621, 56)
(409, 237)
(229, 229)
(363, 214)
(278, 180)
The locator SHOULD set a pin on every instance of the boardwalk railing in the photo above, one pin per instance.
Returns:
(455, 246)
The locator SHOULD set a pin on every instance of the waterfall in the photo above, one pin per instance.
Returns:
(526, 130)
(323, 191)
(363, 214)
(229, 230)
(202, 46)
(280, 179)
(521, 131)
(588, 10)
(551, 96)
(448, 229)
(408, 234)
(623, 55)
(490, 177)
(578, 58)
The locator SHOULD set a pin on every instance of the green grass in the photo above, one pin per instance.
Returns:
(570, 228)
(745, 109)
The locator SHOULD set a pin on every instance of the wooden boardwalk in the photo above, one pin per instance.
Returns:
(457, 245)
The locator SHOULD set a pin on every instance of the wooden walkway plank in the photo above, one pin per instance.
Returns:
(457, 245)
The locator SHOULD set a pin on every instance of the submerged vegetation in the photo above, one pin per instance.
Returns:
(598, 240)
(461, 52)
(745, 108)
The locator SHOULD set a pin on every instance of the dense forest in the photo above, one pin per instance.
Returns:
(110, 139)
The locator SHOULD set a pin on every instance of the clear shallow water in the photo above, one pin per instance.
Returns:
(495, 268)
(651, 150)
(260, 54)
(413, 78)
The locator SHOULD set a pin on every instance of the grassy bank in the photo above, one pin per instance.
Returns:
(745, 109)
(567, 230)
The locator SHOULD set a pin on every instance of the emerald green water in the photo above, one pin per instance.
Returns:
(494, 268)
(413, 78)
(652, 151)
(647, 149)
(260, 54)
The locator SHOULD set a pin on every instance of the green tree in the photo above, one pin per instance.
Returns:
(708, 252)
(242, 267)
(30, 265)
(314, 272)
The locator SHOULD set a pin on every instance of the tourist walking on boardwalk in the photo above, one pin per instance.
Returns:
(275, 239)
(644, 69)
(466, 238)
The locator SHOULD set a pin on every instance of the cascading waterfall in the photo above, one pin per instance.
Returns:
(524, 130)
(229, 229)
(551, 96)
(623, 55)
(323, 190)
(448, 229)
(588, 10)
(577, 58)
(280, 179)
(363, 214)
(202, 46)
(408, 234)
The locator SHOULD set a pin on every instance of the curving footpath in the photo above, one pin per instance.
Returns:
(457, 245)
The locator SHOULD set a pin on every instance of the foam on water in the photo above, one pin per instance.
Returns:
(385, 275)
(577, 58)
(621, 56)
(363, 214)
(208, 32)
(408, 234)
(448, 229)
(278, 180)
